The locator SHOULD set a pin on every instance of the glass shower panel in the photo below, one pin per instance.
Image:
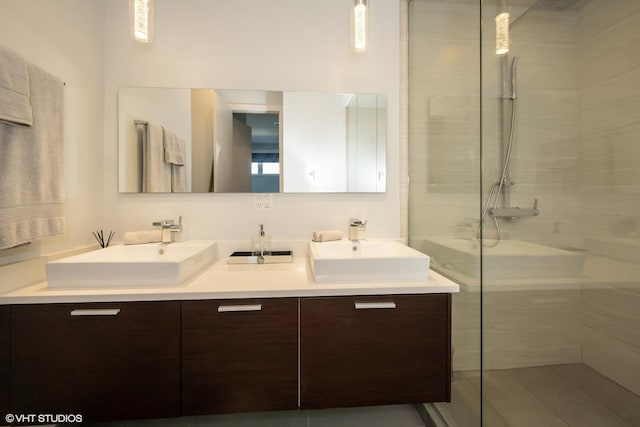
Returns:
(444, 170)
(560, 235)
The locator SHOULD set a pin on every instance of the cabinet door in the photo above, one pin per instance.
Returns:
(239, 355)
(5, 357)
(358, 351)
(103, 361)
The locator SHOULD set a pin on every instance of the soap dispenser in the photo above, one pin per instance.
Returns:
(261, 243)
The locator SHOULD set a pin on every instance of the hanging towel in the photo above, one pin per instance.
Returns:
(15, 103)
(156, 176)
(32, 167)
(174, 154)
(173, 148)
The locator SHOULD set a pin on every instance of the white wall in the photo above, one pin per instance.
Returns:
(65, 37)
(314, 153)
(223, 143)
(254, 44)
(202, 111)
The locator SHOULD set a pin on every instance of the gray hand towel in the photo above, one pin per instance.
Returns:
(32, 167)
(15, 103)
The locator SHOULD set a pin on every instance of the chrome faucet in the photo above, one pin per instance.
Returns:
(168, 227)
(356, 225)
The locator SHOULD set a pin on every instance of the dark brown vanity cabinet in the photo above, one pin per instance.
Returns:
(133, 360)
(239, 355)
(5, 359)
(359, 351)
(101, 360)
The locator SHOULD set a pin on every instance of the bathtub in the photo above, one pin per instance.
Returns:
(509, 260)
(624, 249)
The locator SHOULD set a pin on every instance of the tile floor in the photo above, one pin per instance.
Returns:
(559, 395)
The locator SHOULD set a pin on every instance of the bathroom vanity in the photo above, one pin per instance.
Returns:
(5, 358)
(100, 360)
(236, 338)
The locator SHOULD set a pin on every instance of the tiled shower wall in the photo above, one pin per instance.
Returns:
(609, 64)
(535, 321)
(576, 150)
(444, 144)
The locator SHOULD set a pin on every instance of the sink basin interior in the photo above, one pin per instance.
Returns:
(151, 264)
(367, 261)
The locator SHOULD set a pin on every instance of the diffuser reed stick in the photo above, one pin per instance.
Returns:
(99, 236)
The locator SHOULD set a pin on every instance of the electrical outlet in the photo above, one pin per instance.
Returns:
(264, 202)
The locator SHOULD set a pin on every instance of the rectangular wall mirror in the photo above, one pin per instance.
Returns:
(243, 141)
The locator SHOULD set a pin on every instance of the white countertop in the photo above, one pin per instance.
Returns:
(225, 281)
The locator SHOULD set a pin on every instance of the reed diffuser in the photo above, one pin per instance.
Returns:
(99, 235)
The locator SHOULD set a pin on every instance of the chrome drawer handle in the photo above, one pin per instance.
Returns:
(96, 312)
(375, 305)
(245, 307)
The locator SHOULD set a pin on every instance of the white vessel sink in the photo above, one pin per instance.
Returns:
(367, 261)
(151, 264)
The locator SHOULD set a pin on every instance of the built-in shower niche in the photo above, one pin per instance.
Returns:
(508, 260)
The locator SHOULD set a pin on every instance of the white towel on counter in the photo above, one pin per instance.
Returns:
(15, 92)
(156, 175)
(139, 237)
(327, 235)
(174, 154)
(32, 167)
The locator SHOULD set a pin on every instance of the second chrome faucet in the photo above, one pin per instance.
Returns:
(355, 226)
(168, 227)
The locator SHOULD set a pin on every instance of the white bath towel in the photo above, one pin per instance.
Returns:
(138, 237)
(327, 235)
(32, 167)
(173, 148)
(15, 102)
(174, 154)
(156, 176)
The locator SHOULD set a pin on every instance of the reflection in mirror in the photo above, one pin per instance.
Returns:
(265, 150)
(250, 141)
(246, 131)
(334, 142)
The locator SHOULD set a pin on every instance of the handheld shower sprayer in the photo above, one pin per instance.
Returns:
(514, 77)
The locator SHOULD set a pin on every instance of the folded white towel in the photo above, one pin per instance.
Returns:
(15, 102)
(173, 148)
(327, 235)
(174, 154)
(178, 179)
(138, 237)
(156, 176)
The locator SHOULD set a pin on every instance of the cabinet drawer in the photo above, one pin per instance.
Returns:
(104, 360)
(358, 351)
(239, 355)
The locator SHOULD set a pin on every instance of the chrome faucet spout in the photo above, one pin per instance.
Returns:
(168, 227)
(356, 225)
